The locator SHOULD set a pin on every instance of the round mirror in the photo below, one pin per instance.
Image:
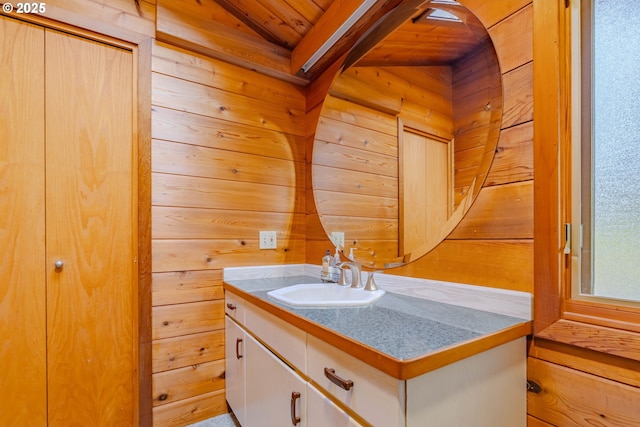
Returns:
(407, 133)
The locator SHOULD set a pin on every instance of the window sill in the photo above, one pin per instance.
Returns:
(602, 339)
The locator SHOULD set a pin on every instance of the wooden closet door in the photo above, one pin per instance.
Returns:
(23, 400)
(425, 191)
(90, 223)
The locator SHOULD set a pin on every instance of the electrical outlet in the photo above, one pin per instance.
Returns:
(268, 240)
(337, 237)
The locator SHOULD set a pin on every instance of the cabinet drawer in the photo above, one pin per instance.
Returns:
(286, 340)
(234, 306)
(375, 396)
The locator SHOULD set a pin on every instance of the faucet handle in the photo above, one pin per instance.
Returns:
(371, 283)
(356, 270)
(342, 281)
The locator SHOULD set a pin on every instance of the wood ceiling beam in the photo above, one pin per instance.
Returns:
(202, 35)
(329, 22)
(384, 27)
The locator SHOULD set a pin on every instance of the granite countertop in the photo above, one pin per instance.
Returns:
(405, 330)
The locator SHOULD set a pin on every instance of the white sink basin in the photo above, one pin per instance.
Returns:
(324, 295)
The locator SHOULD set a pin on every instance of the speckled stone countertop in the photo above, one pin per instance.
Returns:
(406, 330)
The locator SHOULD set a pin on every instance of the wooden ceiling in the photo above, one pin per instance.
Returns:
(279, 36)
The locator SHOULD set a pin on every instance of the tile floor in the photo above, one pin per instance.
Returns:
(226, 420)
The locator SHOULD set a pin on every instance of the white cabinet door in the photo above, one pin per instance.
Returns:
(322, 412)
(275, 395)
(484, 390)
(235, 368)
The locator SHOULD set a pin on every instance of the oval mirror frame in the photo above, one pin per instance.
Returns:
(389, 108)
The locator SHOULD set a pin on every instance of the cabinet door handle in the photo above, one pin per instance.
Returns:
(533, 387)
(340, 382)
(238, 341)
(294, 418)
(231, 306)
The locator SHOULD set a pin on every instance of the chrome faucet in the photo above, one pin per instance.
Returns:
(356, 269)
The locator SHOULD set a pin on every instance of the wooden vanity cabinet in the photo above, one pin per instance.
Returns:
(276, 394)
(486, 389)
(261, 388)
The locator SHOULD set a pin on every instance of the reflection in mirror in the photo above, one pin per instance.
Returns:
(407, 133)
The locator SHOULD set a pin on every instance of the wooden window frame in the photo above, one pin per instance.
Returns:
(610, 329)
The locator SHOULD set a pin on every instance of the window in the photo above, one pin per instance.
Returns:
(566, 314)
(605, 260)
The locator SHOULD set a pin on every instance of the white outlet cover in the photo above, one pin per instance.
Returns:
(337, 238)
(268, 240)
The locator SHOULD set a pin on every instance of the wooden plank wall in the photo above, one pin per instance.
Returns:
(227, 162)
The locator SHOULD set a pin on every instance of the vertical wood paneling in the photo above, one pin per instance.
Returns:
(23, 370)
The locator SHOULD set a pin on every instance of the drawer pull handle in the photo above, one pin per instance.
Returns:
(340, 382)
(231, 306)
(294, 418)
(238, 341)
